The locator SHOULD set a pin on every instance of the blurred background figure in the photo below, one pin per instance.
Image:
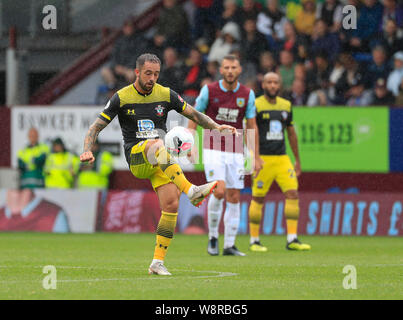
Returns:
(207, 18)
(61, 167)
(96, 175)
(127, 48)
(368, 24)
(31, 161)
(399, 98)
(225, 43)
(194, 73)
(305, 19)
(173, 25)
(324, 41)
(286, 70)
(172, 72)
(24, 211)
(381, 95)
(331, 12)
(248, 9)
(270, 22)
(396, 76)
(254, 43)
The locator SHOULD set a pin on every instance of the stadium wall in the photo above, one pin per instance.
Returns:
(365, 214)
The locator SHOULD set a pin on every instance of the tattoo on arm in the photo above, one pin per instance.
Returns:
(93, 133)
(200, 118)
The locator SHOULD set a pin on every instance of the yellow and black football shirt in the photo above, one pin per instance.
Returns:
(271, 120)
(141, 116)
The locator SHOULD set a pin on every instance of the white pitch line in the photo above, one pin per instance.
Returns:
(217, 274)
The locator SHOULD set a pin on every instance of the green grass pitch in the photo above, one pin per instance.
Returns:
(114, 266)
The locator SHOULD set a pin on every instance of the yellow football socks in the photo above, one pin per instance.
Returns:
(165, 232)
(255, 215)
(291, 212)
(172, 170)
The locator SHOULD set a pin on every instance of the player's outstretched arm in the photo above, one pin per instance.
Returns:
(205, 121)
(90, 139)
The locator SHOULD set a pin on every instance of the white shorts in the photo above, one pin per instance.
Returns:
(225, 166)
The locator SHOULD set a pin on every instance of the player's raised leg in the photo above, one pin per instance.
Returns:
(232, 217)
(214, 213)
(168, 196)
(255, 216)
(157, 154)
(291, 212)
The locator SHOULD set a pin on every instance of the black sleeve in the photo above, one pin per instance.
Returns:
(290, 121)
(176, 102)
(111, 109)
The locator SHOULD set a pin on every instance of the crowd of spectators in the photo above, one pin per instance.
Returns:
(320, 61)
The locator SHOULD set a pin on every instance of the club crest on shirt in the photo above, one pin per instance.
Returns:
(211, 173)
(259, 184)
(160, 110)
(284, 115)
(240, 102)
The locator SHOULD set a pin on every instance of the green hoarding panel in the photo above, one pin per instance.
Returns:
(341, 139)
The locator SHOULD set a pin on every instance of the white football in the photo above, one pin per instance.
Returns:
(179, 141)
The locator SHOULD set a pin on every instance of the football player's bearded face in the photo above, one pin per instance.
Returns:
(148, 75)
(271, 85)
(230, 70)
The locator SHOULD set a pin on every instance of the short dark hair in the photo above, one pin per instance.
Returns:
(231, 57)
(146, 57)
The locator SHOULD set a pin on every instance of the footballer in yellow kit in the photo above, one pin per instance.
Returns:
(274, 116)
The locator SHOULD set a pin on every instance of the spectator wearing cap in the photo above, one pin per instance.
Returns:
(225, 43)
(357, 95)
(305, 19)
(381, 96)
(396, 76)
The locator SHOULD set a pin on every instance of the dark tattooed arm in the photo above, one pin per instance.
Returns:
(90, 139)
(205, 121)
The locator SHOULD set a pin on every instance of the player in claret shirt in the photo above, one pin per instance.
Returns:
(228, 102)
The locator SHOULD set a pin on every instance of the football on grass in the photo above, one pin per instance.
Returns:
(179, 141)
